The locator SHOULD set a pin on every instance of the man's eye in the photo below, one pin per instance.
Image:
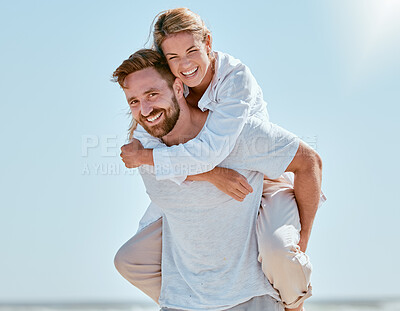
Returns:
(191, 51)
(152, 94)
(133, 102)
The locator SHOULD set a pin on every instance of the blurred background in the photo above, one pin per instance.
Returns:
(329, 71)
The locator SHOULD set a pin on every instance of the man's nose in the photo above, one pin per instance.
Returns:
(146, 108)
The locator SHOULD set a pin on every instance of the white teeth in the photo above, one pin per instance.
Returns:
(154, 118)
(189, 72)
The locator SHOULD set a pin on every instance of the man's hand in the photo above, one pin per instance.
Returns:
(228, 181)
(304, 238)
(134, 155)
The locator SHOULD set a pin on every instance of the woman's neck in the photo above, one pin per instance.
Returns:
(197, 92)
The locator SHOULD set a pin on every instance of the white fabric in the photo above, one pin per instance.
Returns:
(233, 96)
(278, 233)
(209, 245)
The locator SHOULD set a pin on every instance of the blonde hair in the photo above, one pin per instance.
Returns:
(142, 59)
(173, 21)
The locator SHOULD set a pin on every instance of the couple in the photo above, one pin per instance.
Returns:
(213, 244)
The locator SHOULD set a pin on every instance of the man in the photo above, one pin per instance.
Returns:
(209, 243)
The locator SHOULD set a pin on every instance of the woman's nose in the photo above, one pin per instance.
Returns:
(185, 63)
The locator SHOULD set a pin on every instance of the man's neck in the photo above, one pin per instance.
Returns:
(191, 121)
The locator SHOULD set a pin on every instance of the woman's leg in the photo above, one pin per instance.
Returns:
(139, 260)
(278, 233)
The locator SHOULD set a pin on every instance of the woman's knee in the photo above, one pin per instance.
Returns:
(129, 256)
(122, 260)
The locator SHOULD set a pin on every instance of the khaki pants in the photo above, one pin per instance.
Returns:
(278, 226)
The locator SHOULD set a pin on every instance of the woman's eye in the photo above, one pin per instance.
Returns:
(172, 58)
(191, 51)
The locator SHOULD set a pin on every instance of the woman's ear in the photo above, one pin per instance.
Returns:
(208, 43)
(178, 88)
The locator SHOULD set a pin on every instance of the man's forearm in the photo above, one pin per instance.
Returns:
(307, 189)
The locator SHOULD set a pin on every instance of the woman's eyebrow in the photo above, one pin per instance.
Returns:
(170, 53)
(193, 46)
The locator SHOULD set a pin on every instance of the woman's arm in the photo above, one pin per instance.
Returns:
(228, 181)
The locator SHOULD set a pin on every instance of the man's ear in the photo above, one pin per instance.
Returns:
(178, 88)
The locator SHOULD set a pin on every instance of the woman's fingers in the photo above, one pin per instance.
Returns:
(246, 185)
(238, 195)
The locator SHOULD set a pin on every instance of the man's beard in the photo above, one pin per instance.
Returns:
(170, 117)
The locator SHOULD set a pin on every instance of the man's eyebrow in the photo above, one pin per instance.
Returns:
(151, 90)
(131, 98)
(193, 46)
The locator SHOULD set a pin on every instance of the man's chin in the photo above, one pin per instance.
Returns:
(154, 131)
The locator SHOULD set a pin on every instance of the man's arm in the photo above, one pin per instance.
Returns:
(307, 169)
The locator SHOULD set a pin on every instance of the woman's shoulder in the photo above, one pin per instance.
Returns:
(226, 63)
(231, 72)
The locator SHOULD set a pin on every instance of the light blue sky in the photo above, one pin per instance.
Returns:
(329, 71)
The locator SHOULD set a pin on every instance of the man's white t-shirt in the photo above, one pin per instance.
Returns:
(209, 255)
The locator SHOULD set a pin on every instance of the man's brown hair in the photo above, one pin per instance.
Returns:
(142, 59)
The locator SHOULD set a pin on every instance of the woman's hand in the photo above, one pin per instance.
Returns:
(227, 180)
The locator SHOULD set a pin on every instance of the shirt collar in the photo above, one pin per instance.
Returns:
(205, 101)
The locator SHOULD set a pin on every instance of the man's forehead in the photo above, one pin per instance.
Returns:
(145, 78)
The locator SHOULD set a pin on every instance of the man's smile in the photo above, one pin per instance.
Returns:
(152, 119)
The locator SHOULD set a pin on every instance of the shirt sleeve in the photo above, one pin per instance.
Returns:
(148, 141)
(266, 148)
(234, 98)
